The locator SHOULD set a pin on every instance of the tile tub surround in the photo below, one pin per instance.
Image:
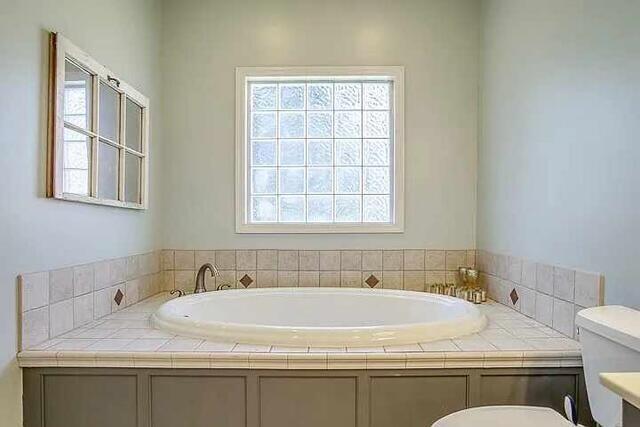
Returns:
(58, 301)
(55, 302)
(550, 294)
(126, 339)
(410, 269)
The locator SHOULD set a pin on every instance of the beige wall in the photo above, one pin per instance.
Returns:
(37, 233)
(436, 41)
(560, 142)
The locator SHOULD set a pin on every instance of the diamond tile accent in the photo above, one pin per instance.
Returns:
(514, 296)
(118, 297)
(372, 281)
(246, 281)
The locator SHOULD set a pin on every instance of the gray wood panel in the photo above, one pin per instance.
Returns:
(536, 390)
(630, 415)
(415, 401)
(198, 401)
(308, 402)
(123, 397)
(32, 395)
(584, 412)
(90, 400)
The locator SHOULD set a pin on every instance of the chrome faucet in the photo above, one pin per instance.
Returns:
(200, 285)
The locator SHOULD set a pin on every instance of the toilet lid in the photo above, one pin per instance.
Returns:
(504, 416)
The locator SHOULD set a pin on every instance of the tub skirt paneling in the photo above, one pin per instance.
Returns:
(123, 397)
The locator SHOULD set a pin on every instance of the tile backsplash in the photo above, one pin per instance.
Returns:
(57, 301)
(410, 269)
(550, 294)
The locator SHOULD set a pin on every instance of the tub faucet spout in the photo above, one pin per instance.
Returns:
(200, 284)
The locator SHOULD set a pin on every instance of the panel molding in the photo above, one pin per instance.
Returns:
(34, 396)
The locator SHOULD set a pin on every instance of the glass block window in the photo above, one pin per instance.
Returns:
(320, 151)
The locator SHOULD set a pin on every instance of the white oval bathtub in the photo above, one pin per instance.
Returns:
(319, 316)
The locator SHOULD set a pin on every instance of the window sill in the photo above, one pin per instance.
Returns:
(318, 228)
(96, 201)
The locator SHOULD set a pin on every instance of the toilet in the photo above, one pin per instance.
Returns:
(610, 338)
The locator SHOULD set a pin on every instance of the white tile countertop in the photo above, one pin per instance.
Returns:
(126, 339)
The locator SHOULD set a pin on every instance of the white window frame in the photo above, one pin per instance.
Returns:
(61, 49)
(246, 74)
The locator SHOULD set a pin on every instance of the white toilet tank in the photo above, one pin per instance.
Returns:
(610, 338)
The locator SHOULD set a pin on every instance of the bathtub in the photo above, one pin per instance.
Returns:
(319, 317)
